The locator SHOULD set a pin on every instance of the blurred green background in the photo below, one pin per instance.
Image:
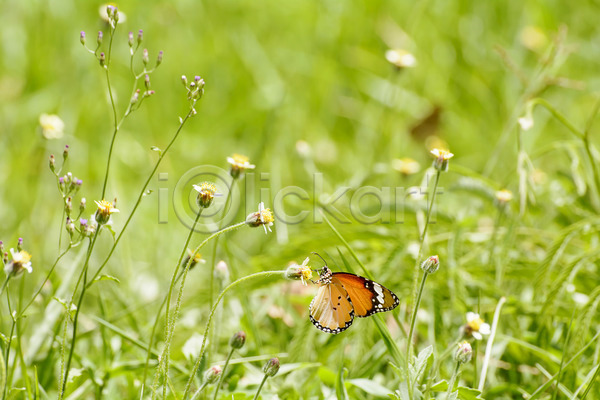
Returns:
(282, 72)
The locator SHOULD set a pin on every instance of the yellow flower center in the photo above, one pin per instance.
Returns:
(504, 195)
(239, 159)
(475, 324)
(266, 216)
(443, 155)
(22, 257)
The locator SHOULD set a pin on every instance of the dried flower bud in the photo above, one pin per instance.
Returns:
(463, 353)
(212, 374)
(147, 81)
(68, 205)
(102, 59)
(145, 56)
(140, 36)
(82, 37)
(51, 162)
(159, 58)
(82, 205)
(130, 39)
(70, 226)
(100, 36)
(238, 340)
(271, 367)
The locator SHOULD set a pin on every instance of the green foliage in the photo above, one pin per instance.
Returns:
(305, 90)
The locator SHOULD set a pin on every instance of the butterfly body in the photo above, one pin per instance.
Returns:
(342, 296)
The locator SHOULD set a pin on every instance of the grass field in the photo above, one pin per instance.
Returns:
(338, 107)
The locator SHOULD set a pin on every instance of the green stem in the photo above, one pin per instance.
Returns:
(263, 274)
(24, 374)
(411, 330)
(114, 110)
(490, 342)
(143, 191)
(170, 327)
(5, 283)
(424, 235)
(436, 367)
(214, 249)
(222, 377)
(262, 383)
(44, 283)
(453, 380)
(8, 345)
(196, 395)
(79, 302)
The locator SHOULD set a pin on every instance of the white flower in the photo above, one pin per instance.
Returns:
(401, 58)
(52, 126)
(263, 217)
(21, 260)
(476, 327)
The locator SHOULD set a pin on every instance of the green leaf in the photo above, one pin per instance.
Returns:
(402, 393)
(340, 389)
(421, 362)
(105, 277)
(467, 393)
(371, 387)
(453, 395)
(440, 386)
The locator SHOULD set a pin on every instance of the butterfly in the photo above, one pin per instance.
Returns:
(342, 296)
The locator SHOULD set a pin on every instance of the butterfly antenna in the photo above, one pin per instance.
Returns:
(318, 255)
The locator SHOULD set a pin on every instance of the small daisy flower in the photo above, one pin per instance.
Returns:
(475, 326)
(196, 259)
(105, 209)
(206, 193)
(503, 196)
(401, 58)
(406, 166)
(431, 265)
(302, 272)
(442, 158)
(52, 126)
(239, 164)
(263, 217)
(21, 260)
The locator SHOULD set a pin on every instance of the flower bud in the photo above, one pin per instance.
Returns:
(140, 36)
(238, 340)
(1, 246)
(61, 184)
(212, 374)
(100, 36)
(115, 15)
(271, 367)
(431, 265)
(68, 205)
(82, 37)
(5, 258)
(66, 152)
(20, 244)
(130, 39)
(70, 226)
(159, 58)
(82, 205)
(184, 80)
(51, 163)
(147, 81)
(145, 57)
(110, 10)
(463, 353)
(102, 59)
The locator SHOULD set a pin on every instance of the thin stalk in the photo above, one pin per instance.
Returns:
(436, 367)
(413, 319)
(142, 192)
(24, 373)
(593, 381)
(216, 242)
(564, 354)
(8, 345)
(262, 383)
(184, 274)
(114, 109)
(79, 302)
(169, 329)
(263, 274)
(490, 343)
(196, 395)
(5, 283)
(222, 377)
(453, 379)
(424, 234)
(43, 283)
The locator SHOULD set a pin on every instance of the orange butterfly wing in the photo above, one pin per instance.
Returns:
(367, 297)
(331, 310)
